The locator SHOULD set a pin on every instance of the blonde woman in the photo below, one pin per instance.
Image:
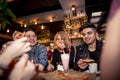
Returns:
(63, 44)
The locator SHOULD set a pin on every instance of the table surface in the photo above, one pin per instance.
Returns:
(58, 75)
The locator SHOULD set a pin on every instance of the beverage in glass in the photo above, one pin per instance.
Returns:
(65, 61)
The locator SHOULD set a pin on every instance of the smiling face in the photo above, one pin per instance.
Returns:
(59, 39)
(32, 38)
(89, 35)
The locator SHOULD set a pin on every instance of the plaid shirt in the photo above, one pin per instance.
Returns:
(39, 55)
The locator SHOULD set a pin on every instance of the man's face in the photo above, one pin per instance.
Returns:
(32, 38)
(89, 35)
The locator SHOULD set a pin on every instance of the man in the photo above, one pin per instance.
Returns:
(91, 48)
(38, 53)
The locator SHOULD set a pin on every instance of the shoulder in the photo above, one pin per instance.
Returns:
(82, 46)
(56, 50)
(40, 46)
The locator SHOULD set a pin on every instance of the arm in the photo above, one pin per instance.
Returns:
(54, 60)
(72, 55)
(42, 57)
(79, 59)
(17, 48)
(23, 69)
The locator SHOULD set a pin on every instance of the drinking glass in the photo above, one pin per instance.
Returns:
(65, 62)
(92, 67)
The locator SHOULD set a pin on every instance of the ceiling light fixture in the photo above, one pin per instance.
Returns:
(51, 20)
(74, 13)
(8, 30)
(36, 23)
(42, 27)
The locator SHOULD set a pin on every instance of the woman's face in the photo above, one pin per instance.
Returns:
(60, 42)
(32, 38)
(59, 39)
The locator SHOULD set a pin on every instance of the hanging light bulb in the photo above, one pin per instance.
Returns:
(51, 20)
(74, 13)
(25, 25)
(8, 30)
(42, 27)
(36, 23)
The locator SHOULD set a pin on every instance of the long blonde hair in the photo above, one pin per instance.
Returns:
(65, 37)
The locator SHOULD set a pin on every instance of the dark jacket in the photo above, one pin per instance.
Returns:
(82, 52)
(57, 58)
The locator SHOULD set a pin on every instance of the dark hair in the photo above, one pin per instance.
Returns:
(87, 25)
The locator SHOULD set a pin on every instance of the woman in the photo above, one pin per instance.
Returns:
(63, 44)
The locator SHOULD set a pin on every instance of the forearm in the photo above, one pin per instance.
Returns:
(5, 59)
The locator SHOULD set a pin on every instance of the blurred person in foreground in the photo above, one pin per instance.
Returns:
(90, 49)
(63, 44)
(16, 35)
(17, 48)
(38, 53)
(110, 67)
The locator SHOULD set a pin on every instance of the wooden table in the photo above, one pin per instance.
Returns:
(58, 75)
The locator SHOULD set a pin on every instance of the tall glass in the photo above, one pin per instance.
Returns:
(65, 61)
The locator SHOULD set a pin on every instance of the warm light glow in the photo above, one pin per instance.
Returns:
(8, 30)
(35, 23)
(21, 25)
(42, 27)
(51, 20)
(75, 33)
(73, 8)
(25, 25)
(74, 13)
(10, 0)
(52, 44)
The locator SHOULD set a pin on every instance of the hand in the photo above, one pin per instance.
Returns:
(40, 67)
(23, 70)
(50, 67)
(17, 48)
(82, 64)
(61, 45)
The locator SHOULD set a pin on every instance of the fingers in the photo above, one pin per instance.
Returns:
(23, 70)
(29, 71)
(27, 47)
(30, 67)
(19, 68)
(61, 45)
(22, 62)
(81, 64)
(50, 67)
(22, 39)
(80, 61)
